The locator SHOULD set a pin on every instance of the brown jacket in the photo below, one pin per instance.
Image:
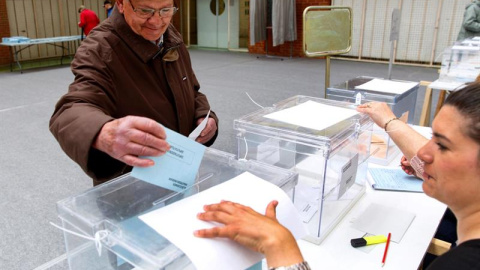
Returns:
(119, 73)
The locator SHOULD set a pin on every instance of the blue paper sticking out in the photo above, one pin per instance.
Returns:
(177, 169)
(395, 180)
(257, 266)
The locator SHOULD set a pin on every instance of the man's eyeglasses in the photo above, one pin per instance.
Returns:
(147, 13)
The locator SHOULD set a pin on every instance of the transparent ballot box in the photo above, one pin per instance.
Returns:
(401, 100)
(110, 212)
(460, 63)
(329, 156)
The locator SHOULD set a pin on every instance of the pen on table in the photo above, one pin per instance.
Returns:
(386, 249)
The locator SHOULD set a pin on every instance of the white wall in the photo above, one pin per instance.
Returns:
(417, 31)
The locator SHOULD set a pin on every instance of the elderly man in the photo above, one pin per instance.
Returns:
(132, 73)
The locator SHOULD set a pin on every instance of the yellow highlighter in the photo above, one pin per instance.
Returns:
(368, 240)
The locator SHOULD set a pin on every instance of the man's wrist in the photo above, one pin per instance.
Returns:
(98, 142)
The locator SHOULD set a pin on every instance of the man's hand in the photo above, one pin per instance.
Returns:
(208, 132)
(129, 137)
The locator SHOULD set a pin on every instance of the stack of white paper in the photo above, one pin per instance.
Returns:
(178, 221)
(387, 86)
(312, 115)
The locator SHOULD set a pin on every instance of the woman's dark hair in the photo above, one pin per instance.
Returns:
(467, 102)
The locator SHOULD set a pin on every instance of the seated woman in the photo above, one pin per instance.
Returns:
(451, 175)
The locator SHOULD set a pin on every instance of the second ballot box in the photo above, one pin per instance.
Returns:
(326, 142)
(401, 97)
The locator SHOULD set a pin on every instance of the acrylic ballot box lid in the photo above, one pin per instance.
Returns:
(114, 207)
(346, 88)
(460, 63)
(328, 138)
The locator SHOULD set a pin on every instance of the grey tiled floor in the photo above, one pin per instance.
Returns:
(35, 173)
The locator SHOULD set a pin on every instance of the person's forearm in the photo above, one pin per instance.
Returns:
(472, 26)
(280, 248)
(470, 20)
(284, 254)
(406, 138)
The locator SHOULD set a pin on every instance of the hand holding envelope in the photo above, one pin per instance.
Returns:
(177, 169)
(205, 130)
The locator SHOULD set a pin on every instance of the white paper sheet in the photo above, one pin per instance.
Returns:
(449, 86)
(196, 132)
(387, 86)
(470, 42)
(465, 48)
(378, 219)
(312, 115)
(178, 221)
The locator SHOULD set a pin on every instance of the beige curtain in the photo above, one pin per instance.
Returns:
(258, 21)
(284, 23)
